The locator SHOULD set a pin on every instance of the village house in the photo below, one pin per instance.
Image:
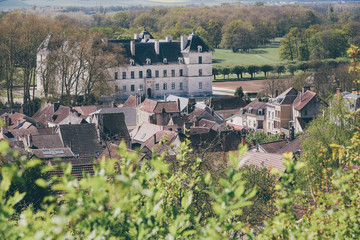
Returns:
(279, 112)
(255, 113)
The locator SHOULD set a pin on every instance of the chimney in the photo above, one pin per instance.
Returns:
(146, 37)
(7, 120)
(282, 136)
(169, 38)
(136, 36)
(305, 88)
(253, 142)
(338, 93)
(292, 133)
(178, 103)
(154, 138)
(276, 92)
(132, 47)
(183, 42)
(157, 47)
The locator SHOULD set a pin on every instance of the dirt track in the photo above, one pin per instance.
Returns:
(248, 86)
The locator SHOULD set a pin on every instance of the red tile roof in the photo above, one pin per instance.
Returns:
(267, 160)
(130, 102)
(147, 105)
(303, 99)
(169, 107)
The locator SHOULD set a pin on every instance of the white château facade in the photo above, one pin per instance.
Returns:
(158, 67)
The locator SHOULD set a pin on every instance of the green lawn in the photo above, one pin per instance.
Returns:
(259, 56)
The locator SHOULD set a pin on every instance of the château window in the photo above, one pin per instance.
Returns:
(199, 48)
(181, 60)
(157, 86)
(165, 73)
(141, 87)
(132, 62)
(200, 85)
(148, 73)
(148, 61)
(165, 86)
(165, 61)
(173, 73)
(181, 73)
(200, 72)
(124, 75)
(133, 88)
(157, 73)
(124, 88)
(173, 86)
(181, 86)
(140, 74)
(116, 88)
(200, 60)
(132, 74)
(116, 75)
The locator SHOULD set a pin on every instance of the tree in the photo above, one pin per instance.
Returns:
(121, 19)
(239, 92)
(280, 69)
(289, 45)
(330, 43)
(225, 71)
(266, 68)
(215, 71)
(252, 69)
(214, 26)
(291, 68)
(238, 70)
(239, 35)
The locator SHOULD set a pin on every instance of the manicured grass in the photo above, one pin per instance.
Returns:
(265, 55)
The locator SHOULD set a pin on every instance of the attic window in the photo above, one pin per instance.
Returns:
(148, 61)
(165, 61)
(143, 136)
(181, 60)
(58, 152)
(199, 48)
(46, 152)
(132, 62)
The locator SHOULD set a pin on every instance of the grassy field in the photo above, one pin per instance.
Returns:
(259, 56)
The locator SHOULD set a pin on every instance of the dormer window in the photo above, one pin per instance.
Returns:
(148, 61)
(132, 62)
(181, 60)
(199, 48)
(165, 61)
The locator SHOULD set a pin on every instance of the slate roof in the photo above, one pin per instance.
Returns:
(292, 146)
(226, 103)
(303, 99)
(114, 126)
(193, 42)
(129, 112)
(273, 147)
(52, 153)
(46, 141)
(255, 105)
(287, 97)
(205, 113)
(81, 138)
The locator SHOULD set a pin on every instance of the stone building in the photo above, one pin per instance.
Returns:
(154, 67)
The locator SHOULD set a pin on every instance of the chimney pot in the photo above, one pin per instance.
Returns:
(157, 47)
(132, 47)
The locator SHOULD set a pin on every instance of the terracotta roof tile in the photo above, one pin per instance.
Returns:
(303, 99)
(169, 107)
(147, 105)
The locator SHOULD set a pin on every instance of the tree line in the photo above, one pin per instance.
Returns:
(291, 67)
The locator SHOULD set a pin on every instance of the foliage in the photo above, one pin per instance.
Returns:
(239, 92)
(261, 137)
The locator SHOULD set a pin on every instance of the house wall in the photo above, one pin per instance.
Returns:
(285, 115)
